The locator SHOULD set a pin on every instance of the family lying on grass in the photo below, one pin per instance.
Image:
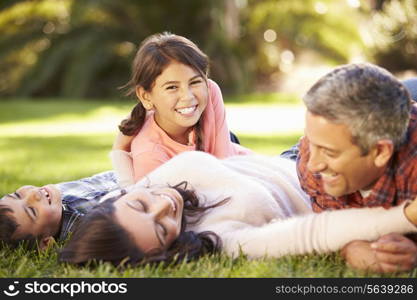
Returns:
(349, 185)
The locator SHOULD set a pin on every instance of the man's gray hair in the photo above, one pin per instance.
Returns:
(368, 99)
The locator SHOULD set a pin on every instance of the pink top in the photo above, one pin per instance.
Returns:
(152, 146)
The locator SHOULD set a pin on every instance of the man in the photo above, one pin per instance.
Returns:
(39, 215)
(360, 149)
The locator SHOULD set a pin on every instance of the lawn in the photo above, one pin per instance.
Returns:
(51, 141)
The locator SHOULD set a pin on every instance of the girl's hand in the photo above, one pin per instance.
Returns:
(122, 142)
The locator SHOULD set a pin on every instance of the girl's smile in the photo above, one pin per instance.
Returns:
(179, 97)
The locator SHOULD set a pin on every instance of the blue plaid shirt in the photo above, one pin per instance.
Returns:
(291, 153)
(79, 196)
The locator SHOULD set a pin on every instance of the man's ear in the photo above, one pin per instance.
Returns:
(383, 152)
(46, 242)
(143, 96)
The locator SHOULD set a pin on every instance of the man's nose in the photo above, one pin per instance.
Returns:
(315, 162)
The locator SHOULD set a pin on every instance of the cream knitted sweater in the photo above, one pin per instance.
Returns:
(268, 214)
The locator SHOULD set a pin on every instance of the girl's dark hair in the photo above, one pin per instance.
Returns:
(154, 54)
(100, 237)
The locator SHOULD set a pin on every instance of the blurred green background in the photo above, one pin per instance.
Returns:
(62, 63)
(83, 49)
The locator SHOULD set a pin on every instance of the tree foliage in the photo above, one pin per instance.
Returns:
(324, 27)
(85, 48)
(393, 38)
(74, 48)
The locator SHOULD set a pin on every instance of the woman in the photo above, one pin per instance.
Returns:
(248, 204)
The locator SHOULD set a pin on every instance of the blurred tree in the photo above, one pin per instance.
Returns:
(84, 48)
(279, 30)
(392, 35)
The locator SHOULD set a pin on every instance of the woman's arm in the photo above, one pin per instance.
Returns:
(390, 253)
(324, 232)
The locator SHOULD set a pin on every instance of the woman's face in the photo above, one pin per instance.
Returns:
(151, 215)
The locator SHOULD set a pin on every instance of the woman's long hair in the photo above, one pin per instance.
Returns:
(154, 55)
(100, 237)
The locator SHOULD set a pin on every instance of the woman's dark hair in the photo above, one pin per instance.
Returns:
(100, 237)
(154, 55)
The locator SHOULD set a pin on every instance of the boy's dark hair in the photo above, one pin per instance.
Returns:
(8, 226)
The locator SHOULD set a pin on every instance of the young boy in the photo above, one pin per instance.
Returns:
(40, 215)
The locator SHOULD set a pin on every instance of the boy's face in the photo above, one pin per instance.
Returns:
(37, 210)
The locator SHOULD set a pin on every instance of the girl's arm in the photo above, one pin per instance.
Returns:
(122, 161)
(324, 232)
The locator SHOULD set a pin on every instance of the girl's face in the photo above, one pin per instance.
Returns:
(179, 96)
(151, 215)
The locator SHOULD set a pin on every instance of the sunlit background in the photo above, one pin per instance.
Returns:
(62, 63)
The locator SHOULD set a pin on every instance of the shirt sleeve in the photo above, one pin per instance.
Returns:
(321, 233)
(123, 167)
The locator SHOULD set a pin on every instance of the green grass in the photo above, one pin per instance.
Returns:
(51, 141)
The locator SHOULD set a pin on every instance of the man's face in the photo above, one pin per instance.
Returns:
(37, 210)
(343, 169)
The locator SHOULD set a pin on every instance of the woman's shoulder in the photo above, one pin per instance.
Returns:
(199, 159)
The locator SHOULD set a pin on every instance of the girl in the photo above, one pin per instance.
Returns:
(243, 204)
(179, 109)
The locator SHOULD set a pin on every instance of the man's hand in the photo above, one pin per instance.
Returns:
(122, 142)
(394, 252)
(390, 253)
(359, 255)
